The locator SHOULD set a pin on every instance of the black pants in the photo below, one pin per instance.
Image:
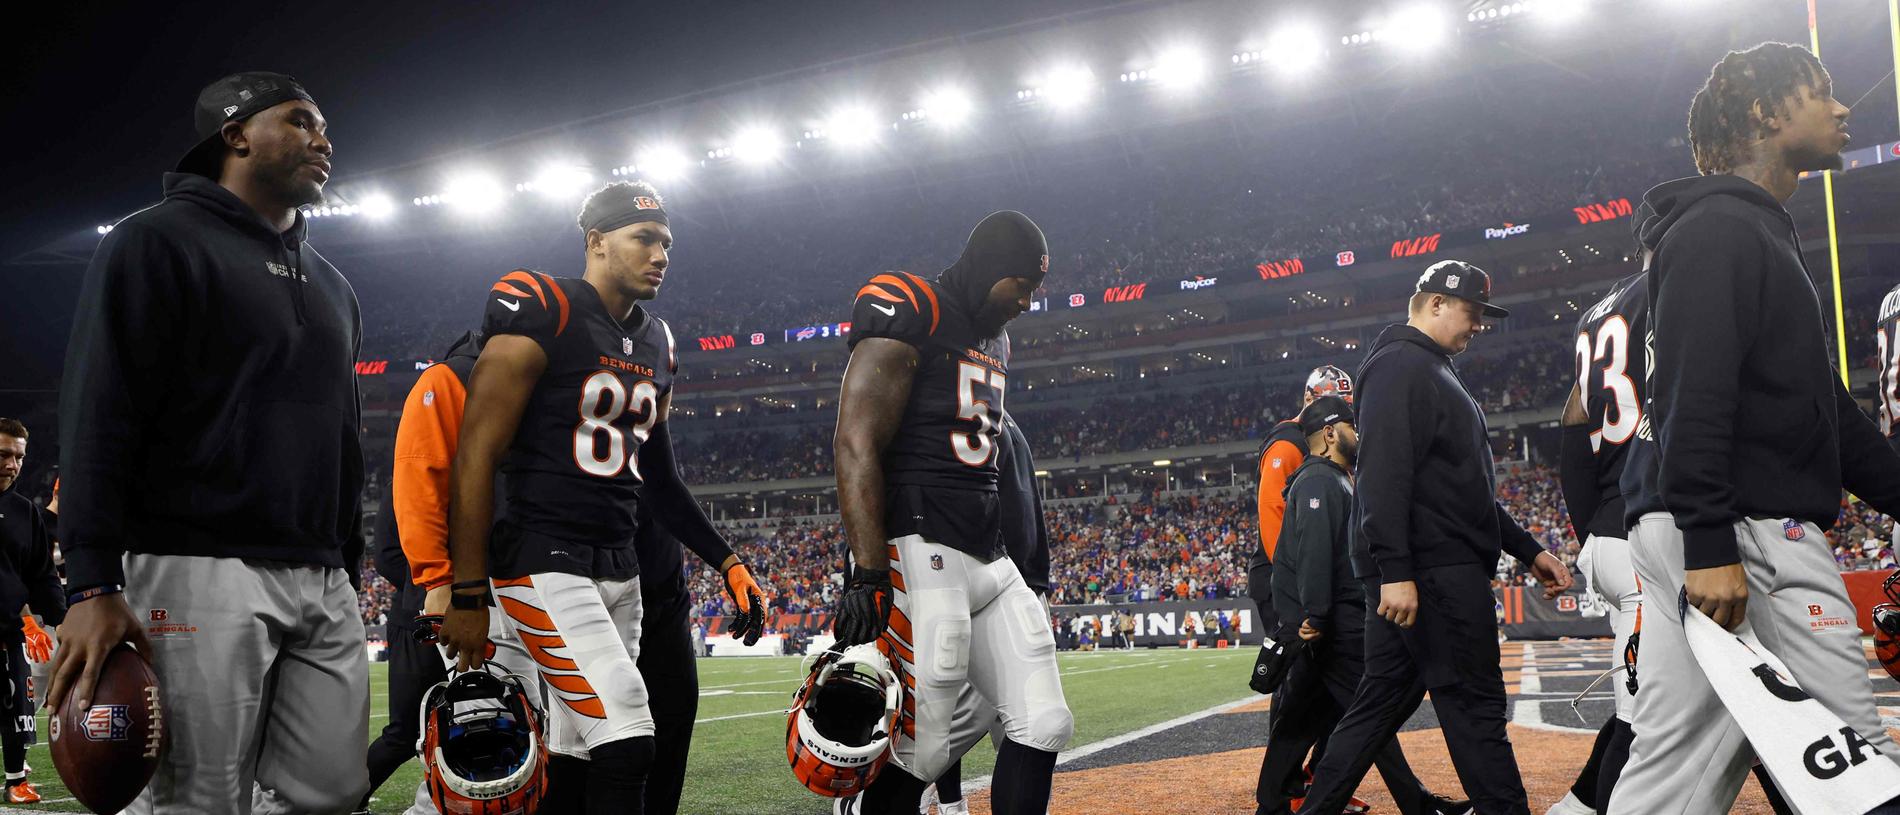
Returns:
(17, 733)
(414, 668)
(1318, 689)
(667, 664)
(1260, 591)
(1453, 650)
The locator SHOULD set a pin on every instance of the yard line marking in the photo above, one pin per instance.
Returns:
(1112, 742)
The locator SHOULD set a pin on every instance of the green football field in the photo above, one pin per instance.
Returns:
(738, 759)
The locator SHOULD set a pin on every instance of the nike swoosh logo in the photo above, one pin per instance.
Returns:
(508, 305)
(889, 311)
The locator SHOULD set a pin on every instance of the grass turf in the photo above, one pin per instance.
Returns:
(738, 759)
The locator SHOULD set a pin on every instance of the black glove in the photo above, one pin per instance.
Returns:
(749, 599)
(865, 608)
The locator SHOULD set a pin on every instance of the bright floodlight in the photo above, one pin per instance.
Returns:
(1295, 50)
(562, 182)
(949, 106)
(1068, 86)
(473, 193)
(1568, 11)
(377, 205)
(1180, 68)
(755, 145)
(663, 164)
(1415, 28)
(851, 127)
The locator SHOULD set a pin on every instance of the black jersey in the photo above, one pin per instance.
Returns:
(573, 471)
(1612, 375)
(1887, 343)
(940, 466)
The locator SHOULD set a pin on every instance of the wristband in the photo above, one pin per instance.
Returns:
(96, 591)
(468, 602)
(470, 584)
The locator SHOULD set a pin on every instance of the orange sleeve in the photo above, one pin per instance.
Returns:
(425, 447)
(1276, 467)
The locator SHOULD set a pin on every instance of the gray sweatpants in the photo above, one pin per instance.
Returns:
(265, 681)
(1689, 756)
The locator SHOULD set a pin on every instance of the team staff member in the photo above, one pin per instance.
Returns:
(245, 474)
(27, 578)
(1755, 436)
(1280, 455)
(1314, 585)
(1429, 530)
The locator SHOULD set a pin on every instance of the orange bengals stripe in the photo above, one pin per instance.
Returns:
(589, 707)
(929, 294)
(571, 683)
(900, 626)
(527, 615)
(879, 292)
(560, 298)
(526, 278)
(513, 582)
(897, 580)
(900, 285)
(509, 289)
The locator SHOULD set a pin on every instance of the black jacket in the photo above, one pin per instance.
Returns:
(1025, 532)
(1427, 491)
(27, 575)
(1312, 565)
(1751, 416)
(209, 404)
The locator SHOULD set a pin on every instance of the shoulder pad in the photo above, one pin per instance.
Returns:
(528, 303)
(897, 305)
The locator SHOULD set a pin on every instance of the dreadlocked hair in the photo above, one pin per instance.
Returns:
(1722, 120)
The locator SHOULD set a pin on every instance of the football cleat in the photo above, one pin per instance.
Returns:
(22, 793)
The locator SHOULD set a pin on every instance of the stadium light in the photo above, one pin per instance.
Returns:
(1414, 28)
(949, 106)
(1295, 49)
(1065, 87)
(474, 193)
(755, 145)
(103, 228)
(851, 127)
(559, 182)
(1181, 68)
(661, 164)
(1569, 11)
(377, 205)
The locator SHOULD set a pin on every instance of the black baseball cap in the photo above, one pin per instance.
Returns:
(233, 99)
(1462, 280)
(1324, 412)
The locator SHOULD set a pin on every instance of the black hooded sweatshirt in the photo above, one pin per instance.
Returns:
(1427, 492)
(1752, 419)
(209, 406)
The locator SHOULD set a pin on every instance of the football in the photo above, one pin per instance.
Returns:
(106, 751)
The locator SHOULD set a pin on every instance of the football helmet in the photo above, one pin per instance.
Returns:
(1328, 380)
(838, 736)
(1886, 617)
(482, 748)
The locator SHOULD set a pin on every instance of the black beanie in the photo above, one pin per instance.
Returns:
(1003, 245)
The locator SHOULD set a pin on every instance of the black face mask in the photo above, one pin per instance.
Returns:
(1005, 244)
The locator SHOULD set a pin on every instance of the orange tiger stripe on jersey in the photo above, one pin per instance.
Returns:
(929, 294)
(900, 626)
(571, 683)
(897, 283)
(896, 650)
(879, 292)
(509, 289)
(512, 582)
(897, 580)
(526, 278)
(560, 299)
(527, 615)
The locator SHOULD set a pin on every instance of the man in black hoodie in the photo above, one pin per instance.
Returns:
(1755, 436)
(212, 471)
(1429, 533)
(27, 581)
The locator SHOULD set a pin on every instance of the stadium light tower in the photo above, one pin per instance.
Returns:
(948, 106)
(1180, 68)
(1067, 86)
(1295, 49)
(755, 145)
(1417, 28)
(663, 163)
(474, 193)
(377, 205)
(853, 126)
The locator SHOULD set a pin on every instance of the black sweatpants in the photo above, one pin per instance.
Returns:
(1318, 689)
(414, 668)
(1452, 649)
(17, 733)
(668, 666)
